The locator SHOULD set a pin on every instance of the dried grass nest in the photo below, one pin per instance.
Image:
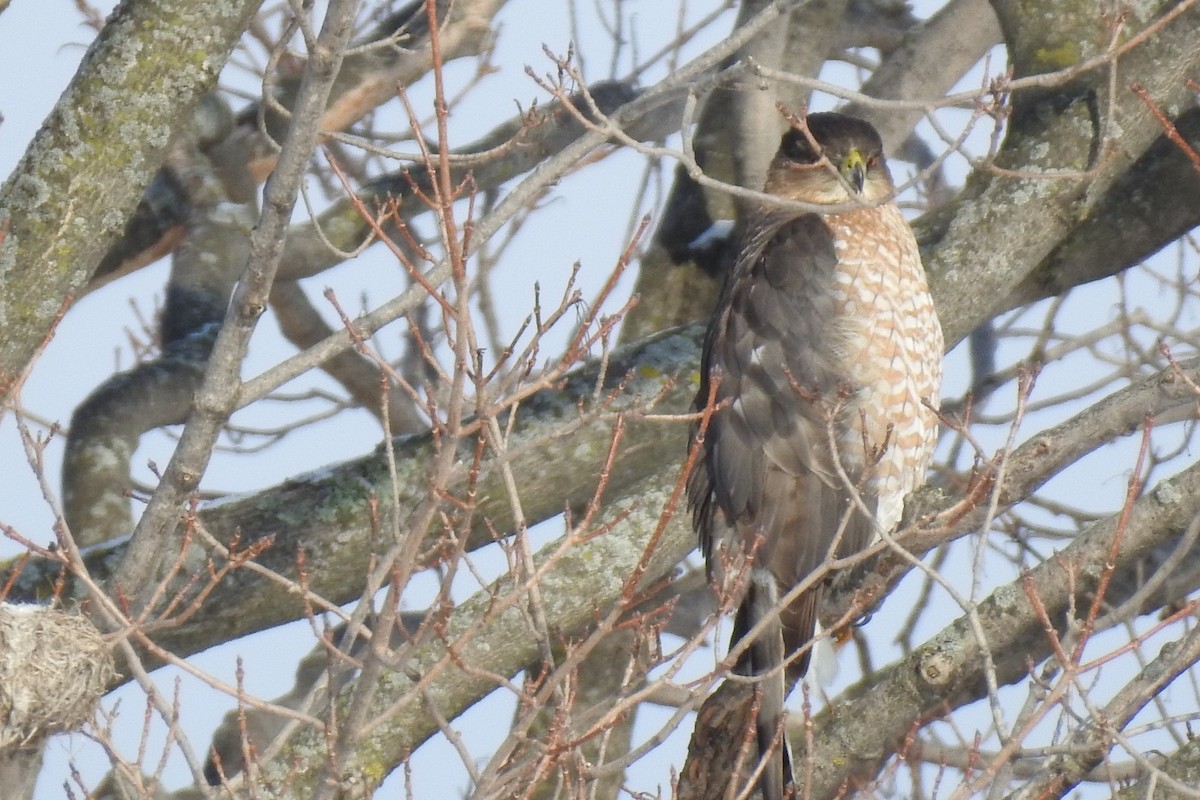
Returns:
(54, 667)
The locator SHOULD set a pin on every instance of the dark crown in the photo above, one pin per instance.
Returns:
(837, 134)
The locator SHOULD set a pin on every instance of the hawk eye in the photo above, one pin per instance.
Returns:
(796, 147)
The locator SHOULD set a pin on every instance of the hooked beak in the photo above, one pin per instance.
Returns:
(854, 170)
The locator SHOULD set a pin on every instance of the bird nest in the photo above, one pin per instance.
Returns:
(54, 667)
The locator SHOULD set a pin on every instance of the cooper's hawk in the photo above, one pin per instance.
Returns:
(824, 351)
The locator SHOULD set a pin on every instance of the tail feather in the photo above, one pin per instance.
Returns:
(785, 631)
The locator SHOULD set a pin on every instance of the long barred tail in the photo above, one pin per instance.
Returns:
(785, 631)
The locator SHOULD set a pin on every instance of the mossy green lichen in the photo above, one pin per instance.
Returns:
(1060, 56)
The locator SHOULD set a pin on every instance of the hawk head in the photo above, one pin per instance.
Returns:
(838, 159)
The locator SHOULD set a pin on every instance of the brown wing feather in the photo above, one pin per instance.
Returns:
(766, 476)
(766, 466)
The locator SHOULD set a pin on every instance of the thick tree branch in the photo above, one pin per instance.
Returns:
(1181, 767)
(872, 719)
(1152, 204)
(1091, 744)
(82, 176)
(1058, 165)
(327, 516)
(492, 629)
